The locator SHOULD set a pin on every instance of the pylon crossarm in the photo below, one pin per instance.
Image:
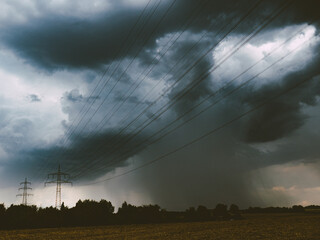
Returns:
(52, 174)
(46, 183)
(51, 182)
(25, 183)
(66, 181)
(65, 174)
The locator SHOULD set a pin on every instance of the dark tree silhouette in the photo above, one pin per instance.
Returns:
(234, 209)
(191, 213)
(203, 213)
(128, 213)
(20, 216)
(297, 208)
(89, 212)
(221, 212)
(2, 215)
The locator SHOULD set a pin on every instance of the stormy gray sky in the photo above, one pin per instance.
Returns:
(105, 88)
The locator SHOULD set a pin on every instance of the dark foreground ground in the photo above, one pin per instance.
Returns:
(254, 226)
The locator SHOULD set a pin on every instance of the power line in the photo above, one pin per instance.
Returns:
(129, 65)
(118, 80)
(189, 88)
(131, 90)
(224, 36)
(69, 132)
(141, 145)
(206, 134)
(104, 100)
(105, 72)
(155, 58)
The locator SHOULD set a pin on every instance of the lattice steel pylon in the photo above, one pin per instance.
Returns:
(25, 193)
(58, 181)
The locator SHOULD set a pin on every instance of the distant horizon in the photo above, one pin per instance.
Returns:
(146, 204)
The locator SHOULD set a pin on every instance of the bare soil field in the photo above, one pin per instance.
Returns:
(254, 226)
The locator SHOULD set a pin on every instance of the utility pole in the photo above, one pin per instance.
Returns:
(58, 175)
(25, 193)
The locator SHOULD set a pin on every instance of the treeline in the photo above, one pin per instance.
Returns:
(93, 213)
(295, 209)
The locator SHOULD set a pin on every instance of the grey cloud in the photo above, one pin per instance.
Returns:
(192, 77)
(34, 98)
(73, 96)
(75, 158)
(55, 42)
(132, 99)
(16, 133)
(284, 115)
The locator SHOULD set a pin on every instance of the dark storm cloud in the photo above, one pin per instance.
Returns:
(272, 122)
(56, 41)
(132, 99)
(77, 157)
(283, 115)
(119, 72)
(198, 71)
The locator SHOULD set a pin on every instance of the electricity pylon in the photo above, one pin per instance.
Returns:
(58, 181)
(25, 193)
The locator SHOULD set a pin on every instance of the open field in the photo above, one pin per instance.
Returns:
(255, 226)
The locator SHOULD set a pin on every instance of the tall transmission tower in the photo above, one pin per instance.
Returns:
(57, 179)
(25, 193)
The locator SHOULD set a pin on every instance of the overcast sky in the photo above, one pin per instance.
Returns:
(106, 87)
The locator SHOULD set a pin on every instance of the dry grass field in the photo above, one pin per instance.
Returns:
(253, 227)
